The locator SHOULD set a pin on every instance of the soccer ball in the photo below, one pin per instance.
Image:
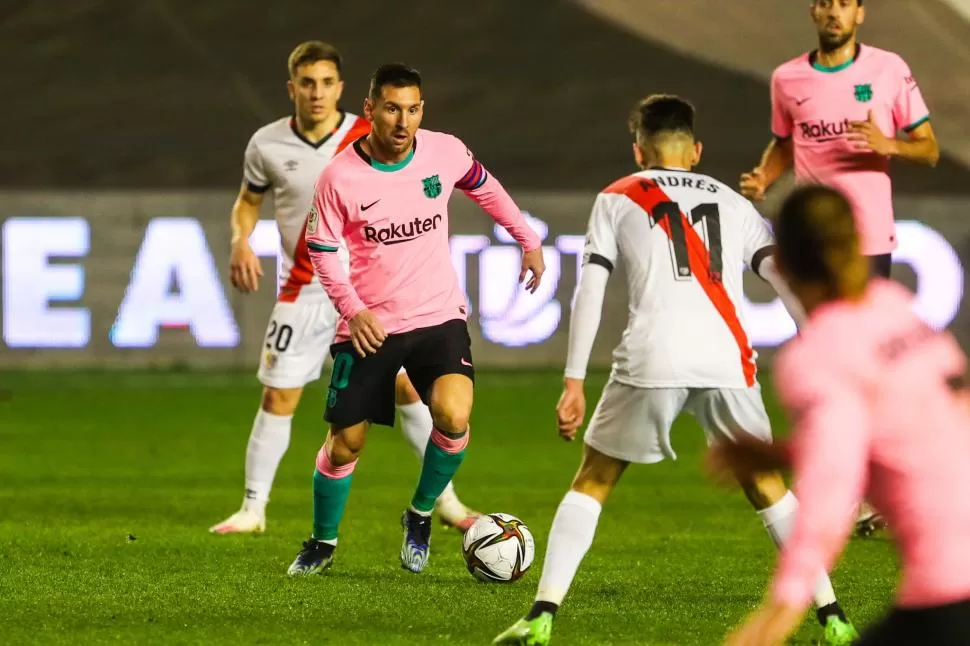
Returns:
(498, 547)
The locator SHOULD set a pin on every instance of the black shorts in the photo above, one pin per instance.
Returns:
(947, 625)
(881, 265)
(362, 388)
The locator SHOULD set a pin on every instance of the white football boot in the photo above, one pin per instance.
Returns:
(244, 521)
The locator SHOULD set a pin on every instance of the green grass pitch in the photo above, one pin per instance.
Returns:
(108, 483)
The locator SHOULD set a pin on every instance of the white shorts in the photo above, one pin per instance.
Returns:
(297, 343)
(633, 424)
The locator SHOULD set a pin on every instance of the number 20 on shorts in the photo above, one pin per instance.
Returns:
(279, 336)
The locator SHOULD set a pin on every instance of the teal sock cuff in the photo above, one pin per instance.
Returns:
(329, 499)
(437, 471)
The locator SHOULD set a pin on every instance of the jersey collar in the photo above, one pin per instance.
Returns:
(813, 61)
(326, 138)
(386, 168)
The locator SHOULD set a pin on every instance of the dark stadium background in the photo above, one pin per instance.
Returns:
(127, 112)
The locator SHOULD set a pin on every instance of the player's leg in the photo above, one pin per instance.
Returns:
(294, 349)
(439, 364)
(726, 414)
(570, 537)
(332, 477)
(416, 424)
(361, 392)
(629, 425)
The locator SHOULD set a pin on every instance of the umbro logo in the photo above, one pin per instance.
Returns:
(364, 208)
(801, 101)
(290, 164)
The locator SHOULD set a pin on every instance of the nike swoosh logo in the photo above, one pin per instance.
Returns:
(797, 102)
(364, 208)
(465, 363)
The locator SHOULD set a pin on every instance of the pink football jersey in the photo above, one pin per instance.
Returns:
(814, 106)
(394, 220)
(870, 388)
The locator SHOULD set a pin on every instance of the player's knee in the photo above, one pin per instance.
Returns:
(763, 491)
(451, 403)
(597, 475)
(341, 453)
(281, 401)
(334, 465)
(344, 446)
(404, 391)
(451, 418)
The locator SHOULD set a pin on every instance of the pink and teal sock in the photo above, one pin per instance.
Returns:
(331, 488)
(442, 458)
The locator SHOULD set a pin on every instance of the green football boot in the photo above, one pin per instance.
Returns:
(838, 633)
(535, 632)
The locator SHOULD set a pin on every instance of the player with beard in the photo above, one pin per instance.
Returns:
(835, 112)
(386, 197)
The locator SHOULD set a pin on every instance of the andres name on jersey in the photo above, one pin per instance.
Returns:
(684, 181)
(397, 233)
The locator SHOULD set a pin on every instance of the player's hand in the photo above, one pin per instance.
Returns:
(754, 185)
(532, 261)
(866, 136)
(366, 333)
(245, 269)
(571, 409)
(769, 625)
(727, 461)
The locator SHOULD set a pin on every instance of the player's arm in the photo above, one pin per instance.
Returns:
(829, 461)
(776, 159)
(599, 258)
(245, 268)
(759, 255)
(910, 115)
(830, 472)
(920, 146)
(486, 191)
(780, 152)
(324, 230)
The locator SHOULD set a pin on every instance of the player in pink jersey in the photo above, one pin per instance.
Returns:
(287, 156)
(874, 397)
(835, 113)
(387, 197)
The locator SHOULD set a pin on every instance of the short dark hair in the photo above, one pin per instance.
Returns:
(816, 234)
(313, 51)
(662, 113)
(395, 75)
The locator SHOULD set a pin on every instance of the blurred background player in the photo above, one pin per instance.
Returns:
(288, 156)
(878, 407)
(684, 239)
(387, 196)
(831, 110)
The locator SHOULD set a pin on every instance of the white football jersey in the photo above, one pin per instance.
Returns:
(279, 157)
(684, 240)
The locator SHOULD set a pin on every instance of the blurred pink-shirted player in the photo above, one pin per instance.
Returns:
(386, 196)
(874, 397)
(835, 113)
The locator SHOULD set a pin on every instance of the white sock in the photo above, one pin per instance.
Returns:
(267, 444)
(570, 538)
(416, 425)
(779, 520)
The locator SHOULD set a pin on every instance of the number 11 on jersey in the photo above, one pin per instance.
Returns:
(707, 213)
